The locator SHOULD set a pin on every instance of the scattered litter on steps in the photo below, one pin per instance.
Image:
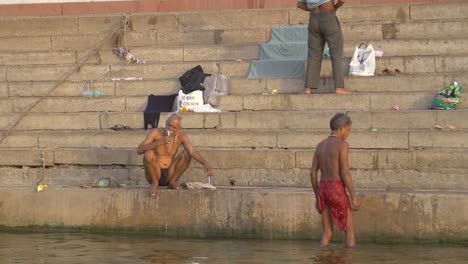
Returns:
(206, 108)
(447, 98)
(375, 128)
(41, 187)
(390, 72)
(447, 127)
(198, 185)
(273, 92)
(125, 54)
(127, 79)
(396, 108)
(108, 182)
(120, 127)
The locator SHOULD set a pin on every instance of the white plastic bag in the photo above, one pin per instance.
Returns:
(216, 86)
(363, 61)
(189, 101)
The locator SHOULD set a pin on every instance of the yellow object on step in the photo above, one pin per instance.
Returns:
(41, 187)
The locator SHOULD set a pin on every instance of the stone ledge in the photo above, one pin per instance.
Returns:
(267, 213)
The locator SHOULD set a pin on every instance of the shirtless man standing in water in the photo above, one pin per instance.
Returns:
(162, 167)
(332, 202)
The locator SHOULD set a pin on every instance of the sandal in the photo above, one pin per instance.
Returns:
(120, 127)
(388, 72)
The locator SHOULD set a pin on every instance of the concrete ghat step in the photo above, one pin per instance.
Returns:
(88, 37)
(133, 175)
(318, 119)
(362, 120)
(32, 81)
(270, 213)
(239, 86)
(227, 19)
(152, 52)
(355, 101)
(234, 139)
(236, 103)
(443, 160)
(410, 67)
(375, 84)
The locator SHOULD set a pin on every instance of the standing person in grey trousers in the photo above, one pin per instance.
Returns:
(324, 27)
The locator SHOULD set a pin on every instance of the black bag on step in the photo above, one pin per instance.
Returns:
(193, 79)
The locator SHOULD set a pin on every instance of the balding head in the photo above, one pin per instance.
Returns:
(173, 116)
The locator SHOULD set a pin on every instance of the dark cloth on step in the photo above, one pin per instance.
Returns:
(156, 105)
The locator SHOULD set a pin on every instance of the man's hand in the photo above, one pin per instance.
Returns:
(166, 140)
(208, 170)
(355, 203)
(339, 3)
(302, 6)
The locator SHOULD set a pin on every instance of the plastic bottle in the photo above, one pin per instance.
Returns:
(92, 94)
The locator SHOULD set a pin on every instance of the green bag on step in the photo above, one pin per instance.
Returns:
(448, 98)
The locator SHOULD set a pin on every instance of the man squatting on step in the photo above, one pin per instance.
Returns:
(324, 27)
(331, 158)
(162, 166)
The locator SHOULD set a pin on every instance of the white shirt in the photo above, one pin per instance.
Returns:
(313, 3)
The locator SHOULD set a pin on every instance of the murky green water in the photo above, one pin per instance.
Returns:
(87, 248)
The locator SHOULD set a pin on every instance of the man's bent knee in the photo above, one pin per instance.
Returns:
(149, 156)
(185, 155)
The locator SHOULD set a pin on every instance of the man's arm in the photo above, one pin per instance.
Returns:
(196, 155)
(314, 172)
(302, 5)
(150, 142)
(338, 3)
(345, 175)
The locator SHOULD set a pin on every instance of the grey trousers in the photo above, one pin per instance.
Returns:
(324, 27)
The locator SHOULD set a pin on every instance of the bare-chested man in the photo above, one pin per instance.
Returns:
(332, 202)
(162, 166)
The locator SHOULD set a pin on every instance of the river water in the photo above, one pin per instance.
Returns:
(86, 248)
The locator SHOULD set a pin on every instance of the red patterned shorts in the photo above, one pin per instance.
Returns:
(332, 194)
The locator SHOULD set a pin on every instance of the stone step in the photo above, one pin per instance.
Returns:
(283, 102)
(424, 119)
(355, 101)
(234, 139)
(410, 68)
(382, 169)
(227, 19)
(133, 175)
(239, 86)
(386, 119)
(319, 119)
(408, 65)
(71, 39)
(155, 71)
(375, 84)
(15, 52)
(261, 213)
(434, 65)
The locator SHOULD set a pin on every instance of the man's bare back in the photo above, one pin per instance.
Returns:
(328, 155)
